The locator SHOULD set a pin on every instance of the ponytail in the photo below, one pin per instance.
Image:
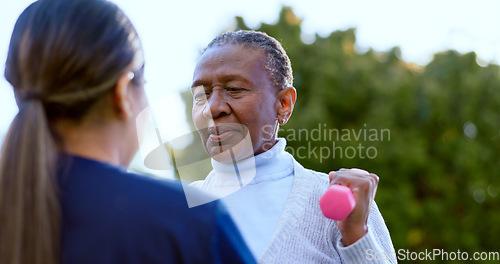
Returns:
(29, 203)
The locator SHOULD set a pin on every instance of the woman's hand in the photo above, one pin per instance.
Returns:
(363, 186)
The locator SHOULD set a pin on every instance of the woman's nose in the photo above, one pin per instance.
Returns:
(217, 105)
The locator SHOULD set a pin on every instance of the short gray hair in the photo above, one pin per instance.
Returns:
(278, 64)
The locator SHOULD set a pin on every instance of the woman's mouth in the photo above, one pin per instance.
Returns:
(221, 137)
(225, 138)
(223, 133)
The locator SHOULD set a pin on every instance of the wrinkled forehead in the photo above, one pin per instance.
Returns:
(231, 56)
(231, 52)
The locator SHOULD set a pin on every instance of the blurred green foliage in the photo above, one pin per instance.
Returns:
(439, 185)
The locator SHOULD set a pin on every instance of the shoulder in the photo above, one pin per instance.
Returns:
(310, 178)
(167, 200)
(93, 185)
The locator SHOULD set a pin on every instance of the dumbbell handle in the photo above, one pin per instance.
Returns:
(337, 202)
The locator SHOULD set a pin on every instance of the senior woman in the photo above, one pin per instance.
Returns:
(76, 67)
(243, 91)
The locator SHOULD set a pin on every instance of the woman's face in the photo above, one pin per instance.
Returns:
(233, 96)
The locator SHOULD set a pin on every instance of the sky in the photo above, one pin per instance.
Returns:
(174, 32)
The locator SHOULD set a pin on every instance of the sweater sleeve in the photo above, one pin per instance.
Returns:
(374, 247)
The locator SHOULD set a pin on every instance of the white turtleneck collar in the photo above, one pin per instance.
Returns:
(267, 166)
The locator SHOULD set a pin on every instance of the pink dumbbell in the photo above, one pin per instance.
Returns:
(337, 202)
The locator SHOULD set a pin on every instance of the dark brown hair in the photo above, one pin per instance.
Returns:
(64, 56)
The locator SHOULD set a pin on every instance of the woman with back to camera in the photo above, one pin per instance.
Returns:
(65, 197)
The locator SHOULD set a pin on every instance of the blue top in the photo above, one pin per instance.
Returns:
(112, 216)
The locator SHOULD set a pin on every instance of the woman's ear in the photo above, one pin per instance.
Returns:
(286, 101)
(121, 96)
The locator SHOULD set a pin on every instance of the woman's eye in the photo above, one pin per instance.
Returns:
(233, 89)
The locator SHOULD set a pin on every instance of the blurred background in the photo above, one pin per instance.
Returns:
(426, 71)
